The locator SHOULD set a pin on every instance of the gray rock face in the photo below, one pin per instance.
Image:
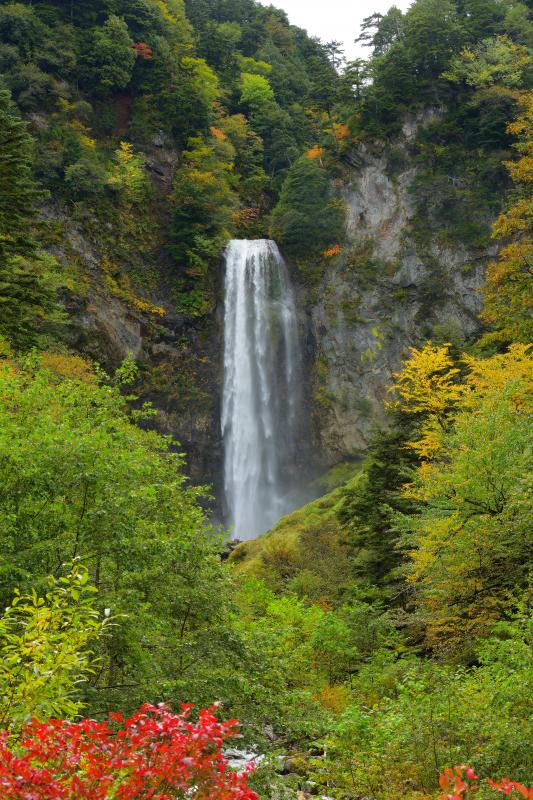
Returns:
(179, 358)
(383, 293)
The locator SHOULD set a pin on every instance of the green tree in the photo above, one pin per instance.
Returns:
(45, 650)
(20, 26)
(411, 52)
(369, 505)
(256, 92)
(24, 297)
(306, 219)
(18, 191)
(80, 479)
(497, 60)
(111, 56)
(380, 31)
(203, 202)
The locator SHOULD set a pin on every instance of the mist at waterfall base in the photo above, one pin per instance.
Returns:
(263, 420)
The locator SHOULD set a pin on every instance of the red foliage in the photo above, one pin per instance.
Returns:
(460, 781)
(506, 786)
(456, 782)
(154, 754)
(143, 50)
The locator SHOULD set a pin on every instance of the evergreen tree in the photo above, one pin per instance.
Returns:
(24, 300)
(111, 56)
(368, 507)
(18, 191)
(305, 218)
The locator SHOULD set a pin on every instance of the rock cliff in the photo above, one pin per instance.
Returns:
(389, 288)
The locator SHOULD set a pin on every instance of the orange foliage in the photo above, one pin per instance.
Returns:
(246, 216)
(216, 133)
(332, 251)
(341, 131)
(315, 152)
(143, 50)
(334, 698)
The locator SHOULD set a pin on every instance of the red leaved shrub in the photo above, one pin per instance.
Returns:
(154, 754)
(461, 781)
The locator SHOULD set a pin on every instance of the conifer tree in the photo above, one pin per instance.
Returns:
(306, 219)
(18, 191)
(24, 300)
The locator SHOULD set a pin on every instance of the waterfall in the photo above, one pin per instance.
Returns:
(261, 404)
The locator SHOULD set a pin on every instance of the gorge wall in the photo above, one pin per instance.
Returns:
(388, 289)
(385, 290)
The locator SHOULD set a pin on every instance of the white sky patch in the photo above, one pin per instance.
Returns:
(335, 19)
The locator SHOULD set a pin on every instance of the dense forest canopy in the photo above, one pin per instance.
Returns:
(381, 633)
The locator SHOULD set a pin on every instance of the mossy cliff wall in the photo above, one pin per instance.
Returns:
(392, 284)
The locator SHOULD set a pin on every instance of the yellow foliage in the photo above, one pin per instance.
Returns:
(87, 142)
(64, 104)
(474, 494)
(8, 368)
(491, 376)
(128, 174)
(429, 443)
(165, 10)
(6, 351)
(125, 152)
(69, 366)
(508, 293)
(435, 535)
(334, 698)
(122, 288)
(516, 219)
(78, 126)
(427, 383)
(509, 289)
(202, 179)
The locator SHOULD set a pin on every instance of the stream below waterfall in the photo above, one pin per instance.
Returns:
(262, 409)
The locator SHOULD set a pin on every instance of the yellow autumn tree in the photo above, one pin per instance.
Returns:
(128, 175)
(490, 376)
(508, 307)
(427, 386)
(470, 543)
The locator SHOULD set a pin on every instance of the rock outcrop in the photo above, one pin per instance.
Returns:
(385, 291)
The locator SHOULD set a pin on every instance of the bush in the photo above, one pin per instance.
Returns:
(44, 653)
(154, 754)
(85, 177)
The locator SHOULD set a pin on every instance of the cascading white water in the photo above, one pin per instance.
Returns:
(261, 404)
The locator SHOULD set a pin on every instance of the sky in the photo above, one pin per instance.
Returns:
(335, 19)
